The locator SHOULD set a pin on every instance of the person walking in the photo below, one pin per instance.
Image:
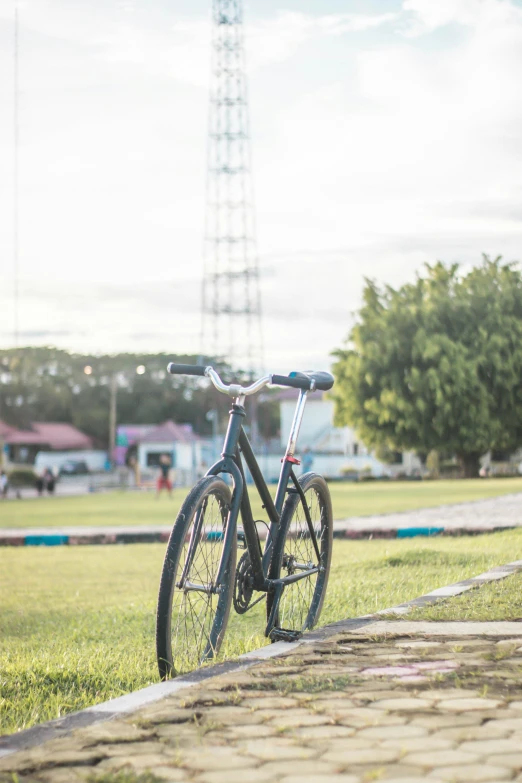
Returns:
(39, 483)
(164, 481)
(49, 481)
(4, 485)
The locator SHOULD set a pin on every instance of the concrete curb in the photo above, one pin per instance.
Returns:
(161, 535)
(37, 735)
(413, 532)
(126, 536)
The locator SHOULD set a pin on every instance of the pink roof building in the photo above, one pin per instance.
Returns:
(179, 442)
(170, 432)
(54, 436)
(5, 430)
(61, 436)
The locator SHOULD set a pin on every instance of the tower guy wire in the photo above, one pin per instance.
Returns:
(231, 297)
(16, 145)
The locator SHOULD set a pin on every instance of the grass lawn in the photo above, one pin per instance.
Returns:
(364, 499)
(77, 624)
(495, 601)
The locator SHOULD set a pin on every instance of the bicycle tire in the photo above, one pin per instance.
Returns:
(190, 624)
(302, 601)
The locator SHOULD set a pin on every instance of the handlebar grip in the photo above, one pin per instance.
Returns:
(185, 369)
(294, 383)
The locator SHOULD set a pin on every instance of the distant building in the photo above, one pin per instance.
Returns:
(189, 454)
(334, 451)
(5, 429)
(22, 446)
(317, 429)
(127, 438)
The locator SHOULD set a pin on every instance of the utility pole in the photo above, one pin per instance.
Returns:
(113, 397)
(213, 417)
(231, 299)
(112, 418)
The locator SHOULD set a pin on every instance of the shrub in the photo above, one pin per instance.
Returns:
(22, 477)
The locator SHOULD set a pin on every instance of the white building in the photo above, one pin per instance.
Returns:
(179, 442)
(317, 428)
(333, 451)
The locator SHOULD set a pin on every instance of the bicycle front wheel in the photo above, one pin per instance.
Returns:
(191, 619)
(294, 552)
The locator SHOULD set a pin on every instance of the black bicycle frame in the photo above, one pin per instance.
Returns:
(237, 444)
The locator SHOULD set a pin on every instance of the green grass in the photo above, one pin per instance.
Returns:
(77, 624)
(494, 601)
(125, 776)
(364, 499)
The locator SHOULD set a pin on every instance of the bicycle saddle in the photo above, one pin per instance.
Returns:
(323, 380)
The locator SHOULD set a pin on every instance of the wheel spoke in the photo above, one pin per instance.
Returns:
(298, 604)
(198, 618)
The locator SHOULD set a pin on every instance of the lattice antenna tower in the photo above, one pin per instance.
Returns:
(231, 300)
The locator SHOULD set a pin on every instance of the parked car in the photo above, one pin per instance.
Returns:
(74, 468)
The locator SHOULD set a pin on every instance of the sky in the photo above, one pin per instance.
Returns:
(385, 135)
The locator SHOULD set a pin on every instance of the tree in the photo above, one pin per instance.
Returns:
(437, 364)
(50, 384)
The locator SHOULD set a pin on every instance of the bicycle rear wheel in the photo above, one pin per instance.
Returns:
(190, 622)
(294, 551)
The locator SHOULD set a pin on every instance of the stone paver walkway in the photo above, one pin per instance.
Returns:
(488, 514)
(396, 701)
(479, 516)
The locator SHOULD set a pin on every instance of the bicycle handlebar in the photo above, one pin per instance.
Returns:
(185, 369)
(235, 389)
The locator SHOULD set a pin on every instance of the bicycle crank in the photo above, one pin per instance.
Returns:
(243, 584)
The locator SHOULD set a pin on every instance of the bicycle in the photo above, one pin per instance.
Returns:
(200, 579)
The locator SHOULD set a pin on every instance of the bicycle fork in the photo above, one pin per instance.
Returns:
(277, 586)
(223, 466)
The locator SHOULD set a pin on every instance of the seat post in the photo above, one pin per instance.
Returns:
(289, 459)
(296, 426)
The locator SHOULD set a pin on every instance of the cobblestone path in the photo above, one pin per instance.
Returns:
(504, 511)
(396, 701)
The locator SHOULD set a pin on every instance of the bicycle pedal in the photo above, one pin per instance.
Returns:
(284, 635)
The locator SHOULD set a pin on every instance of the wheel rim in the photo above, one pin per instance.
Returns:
(196, 617)
(300, 600)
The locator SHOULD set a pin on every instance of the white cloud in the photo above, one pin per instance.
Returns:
(403, 147)
(428, 132)
(275, 39)
(421, 161)
(427, 15)
(337, 24)
(179, 49)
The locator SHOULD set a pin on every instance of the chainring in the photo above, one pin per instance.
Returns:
(243, 584)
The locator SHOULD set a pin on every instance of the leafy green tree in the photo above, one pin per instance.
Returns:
(437, 364)
(49, 384)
